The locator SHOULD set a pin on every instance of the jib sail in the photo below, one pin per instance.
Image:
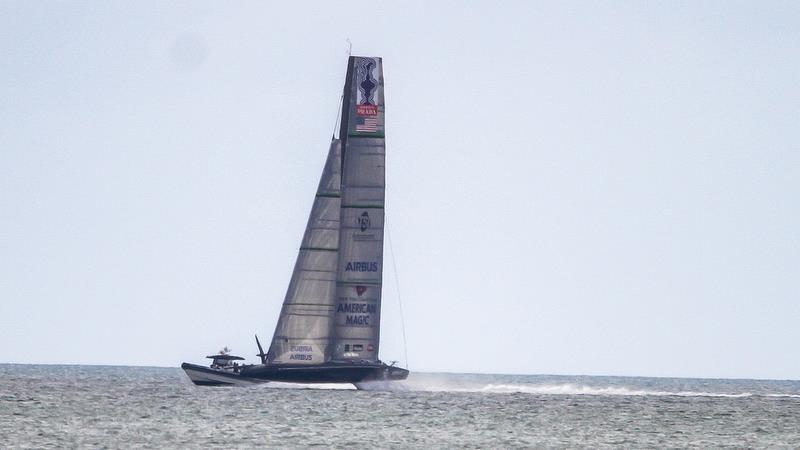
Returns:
(303, 332)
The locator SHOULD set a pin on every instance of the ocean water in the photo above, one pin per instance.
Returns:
(102, 406)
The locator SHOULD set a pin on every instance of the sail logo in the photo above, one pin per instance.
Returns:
(367, 110)
(357, 314)
(356, 308)
(363, 221)
(361, 266)
(366, 81)
(301, 349)
(360, 290)
(357, 320)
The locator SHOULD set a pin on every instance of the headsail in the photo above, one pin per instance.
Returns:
(356, 319)
(302, 335)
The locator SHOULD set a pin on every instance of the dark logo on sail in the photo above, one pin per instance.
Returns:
(367, 83)
(363, 221)
(301, 349)
(360, 290)
(356, 308)
(357, 314)
(361, 266)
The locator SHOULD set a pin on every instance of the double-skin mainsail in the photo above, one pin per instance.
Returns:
(331, 311)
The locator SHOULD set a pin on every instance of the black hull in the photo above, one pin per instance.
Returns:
(356, 374)
(205, 376)
(326, 373)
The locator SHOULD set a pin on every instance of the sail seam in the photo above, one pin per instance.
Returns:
(325, 338)
(367, 136)
(309, 304)
(306, 315)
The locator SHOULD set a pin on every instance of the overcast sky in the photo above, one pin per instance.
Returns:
(603, 188)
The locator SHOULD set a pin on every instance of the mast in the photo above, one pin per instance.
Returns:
(356, 318)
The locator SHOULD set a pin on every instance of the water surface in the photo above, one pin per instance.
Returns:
(103, 406)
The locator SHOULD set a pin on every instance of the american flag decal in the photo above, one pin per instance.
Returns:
(366, 124)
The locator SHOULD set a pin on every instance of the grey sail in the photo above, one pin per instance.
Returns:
(303, 332)
(356, 318)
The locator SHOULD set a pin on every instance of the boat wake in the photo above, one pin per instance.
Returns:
(575, 389)
(567, 389)
(315, 386)
(389, 386)
(517, 388)
(455, 385)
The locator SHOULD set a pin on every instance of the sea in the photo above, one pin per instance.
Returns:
(45, 406)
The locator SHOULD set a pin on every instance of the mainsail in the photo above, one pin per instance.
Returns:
(303, 333)
(332, 307)
(356, 324)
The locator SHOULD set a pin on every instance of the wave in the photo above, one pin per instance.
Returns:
(783, 395)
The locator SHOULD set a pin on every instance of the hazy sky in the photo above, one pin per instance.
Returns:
(572, 187)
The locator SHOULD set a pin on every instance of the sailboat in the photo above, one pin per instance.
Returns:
(329, 326)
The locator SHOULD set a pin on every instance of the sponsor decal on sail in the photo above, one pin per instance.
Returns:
(360, 290)
(362, 308)
(366, 81)
(357, 314)
(361, 266)
(301, 353)
(363, 221)
(357, 320)
(366, 110)
(366, 107)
